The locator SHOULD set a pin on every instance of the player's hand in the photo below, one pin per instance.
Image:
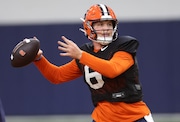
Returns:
(39, 55)
(69, 48)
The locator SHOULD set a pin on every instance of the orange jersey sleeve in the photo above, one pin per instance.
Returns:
(58, 74)
(119, 63)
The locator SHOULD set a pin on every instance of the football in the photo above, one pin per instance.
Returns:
(25, 52)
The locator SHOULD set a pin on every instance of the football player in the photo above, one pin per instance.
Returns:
(109, 66)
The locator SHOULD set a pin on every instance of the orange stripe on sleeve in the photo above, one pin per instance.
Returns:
(119, 63)
(58, 74)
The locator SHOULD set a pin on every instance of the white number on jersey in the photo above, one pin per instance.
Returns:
(96, 75)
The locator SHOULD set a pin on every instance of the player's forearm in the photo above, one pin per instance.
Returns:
(56, 74)
(109, 68)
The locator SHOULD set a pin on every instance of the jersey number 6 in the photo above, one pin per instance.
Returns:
(93, 75)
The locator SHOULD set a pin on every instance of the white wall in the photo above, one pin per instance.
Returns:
(50, 11)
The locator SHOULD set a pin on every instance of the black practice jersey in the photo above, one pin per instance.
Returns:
(123, 88)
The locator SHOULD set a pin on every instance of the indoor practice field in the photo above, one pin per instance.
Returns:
(27, 96)
(82, 118)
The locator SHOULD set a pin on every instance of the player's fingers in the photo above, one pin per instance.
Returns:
(40, 52)
(62, 44)
(35, 37)
(64, 54)
(66, 40)
(63, 49)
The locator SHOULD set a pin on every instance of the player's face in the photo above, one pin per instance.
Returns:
(103, 28)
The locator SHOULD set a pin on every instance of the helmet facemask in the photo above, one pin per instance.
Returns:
(105, 40)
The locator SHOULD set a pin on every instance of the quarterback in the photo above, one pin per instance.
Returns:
(108, 64)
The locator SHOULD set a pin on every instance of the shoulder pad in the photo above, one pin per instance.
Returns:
(128, 43)
(86, 46)
(126, 38)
